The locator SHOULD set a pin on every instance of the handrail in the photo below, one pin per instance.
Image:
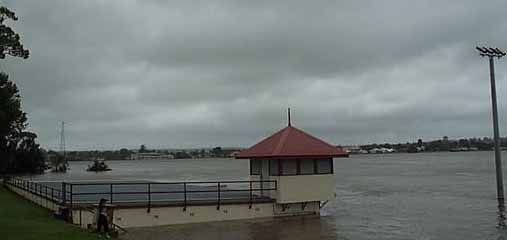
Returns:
(69, 192)
(37, 189)
(218, 187)
(170, 183)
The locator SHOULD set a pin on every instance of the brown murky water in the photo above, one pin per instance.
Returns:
(392, 196)
(303, 228)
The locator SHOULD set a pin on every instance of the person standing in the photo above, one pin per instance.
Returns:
(102, 222)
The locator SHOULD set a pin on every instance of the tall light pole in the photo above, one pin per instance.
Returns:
(493, 53)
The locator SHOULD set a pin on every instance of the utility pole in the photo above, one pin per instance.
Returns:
(62, 139)
(493, 53)
(62, 166)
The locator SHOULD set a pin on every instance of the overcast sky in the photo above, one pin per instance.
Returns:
(174, 74)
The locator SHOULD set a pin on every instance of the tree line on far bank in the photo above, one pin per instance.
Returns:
(126, 154)
(19, 150)
(441, 145)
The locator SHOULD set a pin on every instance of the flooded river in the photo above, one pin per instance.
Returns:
(389, 196)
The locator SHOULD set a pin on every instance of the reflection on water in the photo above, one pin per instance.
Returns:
(293, 228)
(501, 216)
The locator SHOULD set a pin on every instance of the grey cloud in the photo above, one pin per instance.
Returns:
(205, 73)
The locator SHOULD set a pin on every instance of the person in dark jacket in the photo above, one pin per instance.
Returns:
(102, 216)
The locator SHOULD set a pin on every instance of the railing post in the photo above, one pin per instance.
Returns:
(71, 196)
(218, 191)
(46, 195)
(184, 196)
(149, 197)
(111, 193)
(250, 206)
(63, 193)
(71, 204)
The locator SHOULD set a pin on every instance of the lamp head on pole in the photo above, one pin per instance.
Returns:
(490, 52)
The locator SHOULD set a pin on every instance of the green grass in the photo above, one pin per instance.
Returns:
(22, 219)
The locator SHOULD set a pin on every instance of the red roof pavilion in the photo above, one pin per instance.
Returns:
(289, 143)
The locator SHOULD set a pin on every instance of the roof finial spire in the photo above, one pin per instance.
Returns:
(288, 114)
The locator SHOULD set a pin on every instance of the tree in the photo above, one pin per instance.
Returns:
(217, 152)
(19, 151)
(12, 118)
(29, 156)
(142, 149)
(10, 41)
(12, 121)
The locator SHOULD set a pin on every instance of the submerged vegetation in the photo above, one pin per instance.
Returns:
(59, 163)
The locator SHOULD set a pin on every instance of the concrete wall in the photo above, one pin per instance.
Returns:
(297, 209)
(158, 216)
(140, 217)
(305, 188)
(297, 188)
(83, 218)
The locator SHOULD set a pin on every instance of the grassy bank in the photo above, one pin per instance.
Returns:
(21, 219)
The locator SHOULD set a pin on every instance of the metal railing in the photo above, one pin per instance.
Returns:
(44, 191)
(148, 193)
(179, 193)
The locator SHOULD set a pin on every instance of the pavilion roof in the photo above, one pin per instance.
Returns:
(291, 142)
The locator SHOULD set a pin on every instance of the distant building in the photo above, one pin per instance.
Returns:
(352, 149)
(381, 150)
(150, 155)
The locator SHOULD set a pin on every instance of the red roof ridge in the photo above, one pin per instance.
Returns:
(291, 142)
(315, 138)
(283, 140)
(267, 138)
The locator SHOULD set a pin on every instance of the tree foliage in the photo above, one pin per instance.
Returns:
(19, 151)
(143, 149)
(10, 41)
(12, 118)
